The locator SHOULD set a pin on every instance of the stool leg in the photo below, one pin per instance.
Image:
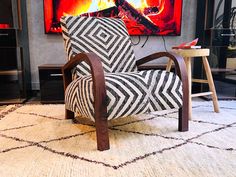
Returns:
(169, 64)
(189, 72)
(211, 84)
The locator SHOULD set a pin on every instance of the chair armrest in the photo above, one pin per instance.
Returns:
(180, 66)
(98, 78)
(91, 59)
(180, 69)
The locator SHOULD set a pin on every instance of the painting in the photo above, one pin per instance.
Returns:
(141, 17)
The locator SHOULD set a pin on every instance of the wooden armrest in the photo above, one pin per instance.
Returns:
(98, 78)
(180, 66)
(180, 69)
(91, 59)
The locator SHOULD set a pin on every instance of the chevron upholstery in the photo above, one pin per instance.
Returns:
(128, 91)
(106, 37)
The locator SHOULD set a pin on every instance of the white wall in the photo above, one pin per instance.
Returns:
(49, 49)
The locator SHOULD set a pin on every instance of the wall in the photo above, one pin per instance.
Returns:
(45, 49)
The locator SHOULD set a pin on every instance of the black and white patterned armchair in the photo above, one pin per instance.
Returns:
(102, 79)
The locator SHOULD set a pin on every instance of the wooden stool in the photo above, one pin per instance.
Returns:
(187, 54)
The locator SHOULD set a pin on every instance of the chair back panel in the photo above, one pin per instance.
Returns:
(106, 37)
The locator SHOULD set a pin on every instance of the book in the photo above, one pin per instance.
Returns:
(188, 45)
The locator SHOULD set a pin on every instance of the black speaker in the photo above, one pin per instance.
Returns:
(8, 38)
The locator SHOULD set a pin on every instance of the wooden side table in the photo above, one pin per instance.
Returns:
(188, 54)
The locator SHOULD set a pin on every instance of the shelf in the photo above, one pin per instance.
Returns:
(219, 70)
(12, 101)
(10, 47)
(9, 76)
(12, 72)
(9, 72)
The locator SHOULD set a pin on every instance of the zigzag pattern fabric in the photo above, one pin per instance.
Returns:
(106, 37)
(127, 93)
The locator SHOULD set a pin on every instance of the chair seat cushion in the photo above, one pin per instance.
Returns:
(127, 93)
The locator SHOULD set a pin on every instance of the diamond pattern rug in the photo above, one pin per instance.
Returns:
(37, 141)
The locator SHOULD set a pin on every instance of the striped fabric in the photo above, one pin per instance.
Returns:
(106, 37)
(127, 93)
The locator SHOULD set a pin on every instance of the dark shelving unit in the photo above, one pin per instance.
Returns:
(15, 77)
(216, 30)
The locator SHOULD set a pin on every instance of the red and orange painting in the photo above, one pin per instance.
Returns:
(142, 17)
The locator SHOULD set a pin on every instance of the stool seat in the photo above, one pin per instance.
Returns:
(188, 54)
(192, 52)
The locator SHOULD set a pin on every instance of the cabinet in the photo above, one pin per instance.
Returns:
(11, 76)
(14, 53)
(216, 30)
(51, 83)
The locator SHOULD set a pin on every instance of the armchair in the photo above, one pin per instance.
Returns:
(102, 80)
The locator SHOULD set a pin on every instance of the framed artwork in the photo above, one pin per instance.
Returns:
(142, 17)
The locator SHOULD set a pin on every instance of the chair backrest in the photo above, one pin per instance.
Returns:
(106, 37)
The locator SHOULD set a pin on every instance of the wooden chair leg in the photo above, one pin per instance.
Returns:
(189, 72)
(101, 125)
(69, 114)
(183, 119)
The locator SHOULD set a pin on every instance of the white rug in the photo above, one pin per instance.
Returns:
(36, 141)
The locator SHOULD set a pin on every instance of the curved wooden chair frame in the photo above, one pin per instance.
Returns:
(99, 90)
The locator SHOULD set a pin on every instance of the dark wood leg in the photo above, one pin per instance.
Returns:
(102, 134)
(69, 114)
(99, 92)
(183, 119)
